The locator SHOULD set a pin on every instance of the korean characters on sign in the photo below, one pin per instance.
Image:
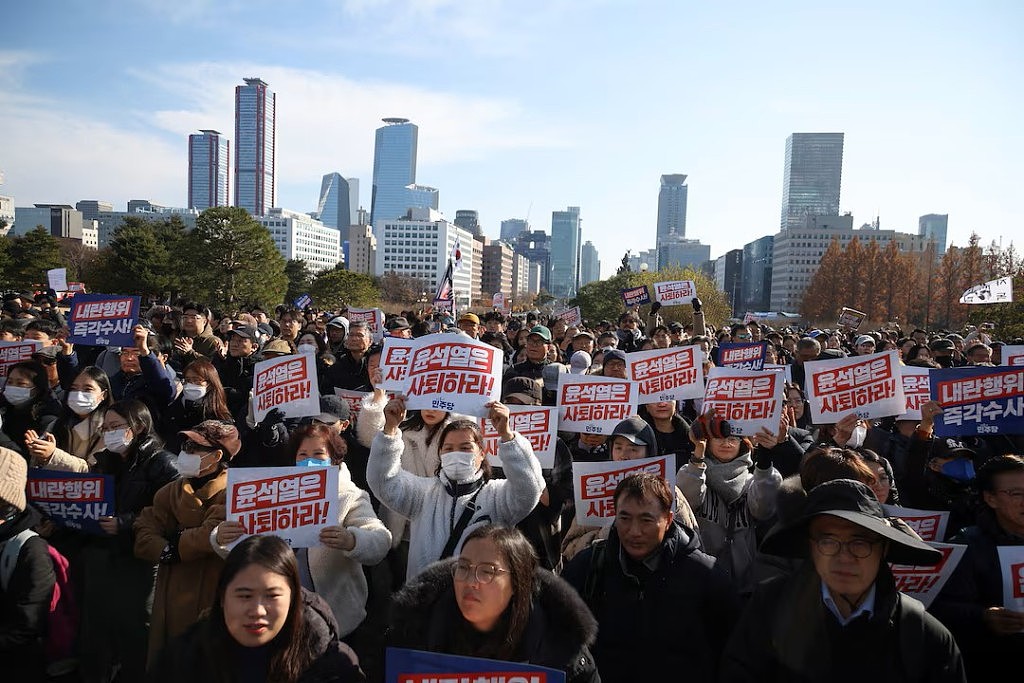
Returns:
(593, 404)
(571, 316)
(915, 391)
(539, 424)
(1013, 356)
(373, 317)
(294, 503)
(743, 355)
(674, 293)
(449, 372)
(930, 525)
(867, 386)
(676, 373)
(72, 500)
(925, 582)
(1011, 559)
(12, 352)
(635, 296)
(288, 383)
(419, 666)
(747, 399)
(851, 318)
(103, 319)
(594, 485)
(978, 400)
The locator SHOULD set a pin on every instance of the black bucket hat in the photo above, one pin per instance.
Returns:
(854, 502)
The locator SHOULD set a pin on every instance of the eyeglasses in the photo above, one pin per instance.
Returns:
(485, 572)
(795, 401)
(1017, 495)
(858, 547)
(536, 341)
(191, 316)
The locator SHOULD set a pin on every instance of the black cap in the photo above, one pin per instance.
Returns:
(244, 331)
(399, 323)
(527, 390)
(332, 409)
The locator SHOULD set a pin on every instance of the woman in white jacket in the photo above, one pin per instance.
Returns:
(333, 569)
(444, 507)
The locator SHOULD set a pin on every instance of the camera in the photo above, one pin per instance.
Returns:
(710, 425)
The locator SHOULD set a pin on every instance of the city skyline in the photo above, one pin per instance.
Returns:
(501, 130)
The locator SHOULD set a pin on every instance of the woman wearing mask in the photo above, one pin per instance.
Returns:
(202, 398)
(26, 403)
(462, 494)
(314, 344)
(175, 531)
(262, 626)
(117, 587)
(76, 436)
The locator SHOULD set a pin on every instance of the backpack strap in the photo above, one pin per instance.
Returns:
(9, 555)
(460, 527)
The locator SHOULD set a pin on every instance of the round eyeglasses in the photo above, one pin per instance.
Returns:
(858, 547)
(485, 572)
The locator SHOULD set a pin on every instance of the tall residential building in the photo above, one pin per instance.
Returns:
(535, 245)
(672, 206)
(362, 249)
(566, 236)
(394, 169)
(255, 135)
(511, 227)
(933, 227)
(681, 252)
(476, 244)
(590, 265)
(334, 209)
(496, 270)
(521, 276)
(812, 177)
(301, 237)
(729, 277)
(757, 274)
(469, 219)
(209, 167)
(91, 208)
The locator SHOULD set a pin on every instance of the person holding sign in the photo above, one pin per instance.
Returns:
(462, 494)
(26, 404)
(840, 617)
(972, 602)
(495, 602)
(76, 437)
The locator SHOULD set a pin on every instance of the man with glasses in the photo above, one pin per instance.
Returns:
(537, 342)
(864, 346)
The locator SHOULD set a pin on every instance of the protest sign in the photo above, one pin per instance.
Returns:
(635, 296)
(915, 391)
(302, 301)
(449, 372)
(499, 302)
(672, 374)
(1013, 356)
(71, 499)
(851, 318)
(742, 355)
(539, 424)
(1011, 559)
(571, 316)
(748, 399)
(57, 279)
(288, 383)
(103, 319)
(373, 317)
(354, 401)
(868, 386)
(998, 291)
(978, 400)
(594, 484)
(675, 292)
(784, 368)
(594, 404)
(14, 352)
(294, 503)
(417, 666)
(925, 582)
(930, 525)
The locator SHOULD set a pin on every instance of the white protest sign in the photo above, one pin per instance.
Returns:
(672, 374)
(294, 503)
(915, 390)
(593, 404)
(851, 317)
(499, 302)
(12, 352)
(784, 368)
(747, 399)
(868, 386)
(58, 279)
(998, 291)
(442, 371)
(594, 485)
(675, 292)
(1011, 559)
(930, 525)
(539, 424)
(924, 582)
(571, 316)
(288, 383)
(374, 317)
(1012, 356)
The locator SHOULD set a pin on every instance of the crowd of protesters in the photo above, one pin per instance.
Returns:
(763, 558)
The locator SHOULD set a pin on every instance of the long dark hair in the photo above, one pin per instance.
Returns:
(415, 422)
(214, 403)
(140, 420)
(62, 428)
(291, 651)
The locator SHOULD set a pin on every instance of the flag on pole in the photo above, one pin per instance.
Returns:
(445, 294)
(998, 291)
(455, 258)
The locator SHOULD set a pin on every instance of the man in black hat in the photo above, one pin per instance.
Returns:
(399, 327)
(839, 617)
(236, 368)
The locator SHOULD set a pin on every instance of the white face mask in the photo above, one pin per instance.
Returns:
(116, 440)
(189, 464)
(856, 439)
(17, 396)
(82, 402)
(307, 348)
(458, 465)
(193, 392)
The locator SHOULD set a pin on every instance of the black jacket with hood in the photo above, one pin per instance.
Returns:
(25, 603)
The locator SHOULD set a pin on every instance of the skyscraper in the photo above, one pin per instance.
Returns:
(510, 229)
(590, 264)
(812, 175)
(566, 236)
(209, 166)
(535, 245)
(394, 169)
(335, 208)
(933, 226)
(469, 219)
(672, 206)
(255, 135)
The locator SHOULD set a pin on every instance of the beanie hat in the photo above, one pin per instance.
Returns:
(13, 477)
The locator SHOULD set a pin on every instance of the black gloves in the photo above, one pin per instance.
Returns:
(273, 430)
(170, 553)
(655, 307)
(696, 304)
(762, 457)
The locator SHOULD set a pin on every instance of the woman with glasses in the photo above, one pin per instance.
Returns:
(493, 601)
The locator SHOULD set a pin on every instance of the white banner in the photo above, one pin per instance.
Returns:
(785, 368)
(1012, 355)
(925, 582)
(571, 316)
(374, 317)
(999, 291)
(930, 525)
(915, 391)
(868, 386)
(674, 292)
(288, 383)
(58, 279)
(1011, 559)
(747, 399)
(594, 485)
(294, 503)
(851, 318)
(499, 302)
(672, 374)
(12, 352)
(594, 404)
(539, 424)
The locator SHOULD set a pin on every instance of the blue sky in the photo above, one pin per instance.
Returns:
(530, 106)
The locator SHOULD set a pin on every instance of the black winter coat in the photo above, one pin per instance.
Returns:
(558, 633)
(236, 378)
(673, 621)
(25, 604)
